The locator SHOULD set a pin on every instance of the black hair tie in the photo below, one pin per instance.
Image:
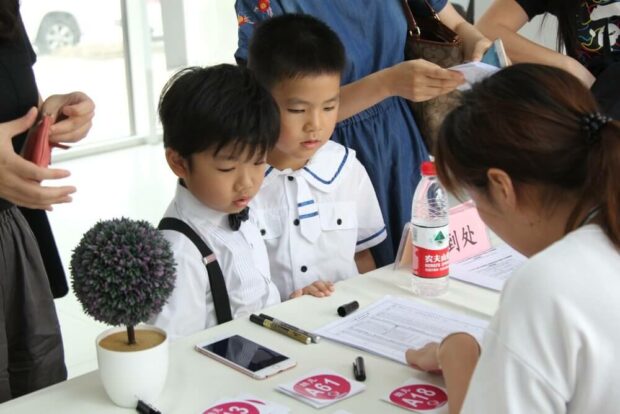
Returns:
(592, 124)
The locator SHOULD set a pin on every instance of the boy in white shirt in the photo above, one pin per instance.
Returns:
(317, 209)
(218, 125)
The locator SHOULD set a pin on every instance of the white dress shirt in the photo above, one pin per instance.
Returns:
(552, 346)
(241, 255)
(333, 194)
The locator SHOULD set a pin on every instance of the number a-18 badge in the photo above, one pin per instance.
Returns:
(419, 397)
(321, 388)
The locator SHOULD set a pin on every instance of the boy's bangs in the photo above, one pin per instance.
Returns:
(254, 148)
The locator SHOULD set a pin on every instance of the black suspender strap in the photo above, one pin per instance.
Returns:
(216, 278)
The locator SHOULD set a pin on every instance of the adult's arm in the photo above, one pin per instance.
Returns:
(504, 18)
(417, 80)
(457, 356)
(474, 42)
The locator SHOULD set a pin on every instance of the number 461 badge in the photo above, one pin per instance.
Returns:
(419, 397)
(320, 388)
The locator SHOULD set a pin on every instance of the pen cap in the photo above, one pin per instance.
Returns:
(256, 319)
(348, 308)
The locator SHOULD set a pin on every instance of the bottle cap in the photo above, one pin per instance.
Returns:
(348, 308)
(428, 168)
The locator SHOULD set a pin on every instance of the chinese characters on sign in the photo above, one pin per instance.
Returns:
(468, 234)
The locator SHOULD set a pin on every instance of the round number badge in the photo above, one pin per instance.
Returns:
(323, 387)
(236, 407)
(419, 397)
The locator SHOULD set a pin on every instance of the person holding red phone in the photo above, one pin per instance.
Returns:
(31, 274)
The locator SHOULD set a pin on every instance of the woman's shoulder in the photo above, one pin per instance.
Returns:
(582, 259)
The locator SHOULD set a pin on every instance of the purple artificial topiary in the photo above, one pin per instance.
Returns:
(123, 271)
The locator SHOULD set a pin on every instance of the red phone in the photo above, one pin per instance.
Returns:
(38, 147)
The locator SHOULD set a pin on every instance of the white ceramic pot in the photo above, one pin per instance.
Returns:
(129, 376)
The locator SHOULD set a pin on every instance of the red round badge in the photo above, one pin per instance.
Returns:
(235, 407)
(323, 387)
(419, 397)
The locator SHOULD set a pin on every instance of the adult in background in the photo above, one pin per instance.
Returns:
(31, 351)
(588, 30)
(375, 119)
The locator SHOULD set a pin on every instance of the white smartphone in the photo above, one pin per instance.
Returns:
(496, 55)
(246, 356)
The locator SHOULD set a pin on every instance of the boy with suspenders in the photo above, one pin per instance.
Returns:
(219, 124)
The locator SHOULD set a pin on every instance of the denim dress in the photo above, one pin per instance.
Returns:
(385, 136)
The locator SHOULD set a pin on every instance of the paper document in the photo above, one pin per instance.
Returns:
(490, 269)
(474, 72)
(391, 325)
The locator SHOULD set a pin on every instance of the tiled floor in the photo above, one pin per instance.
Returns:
(134, 183)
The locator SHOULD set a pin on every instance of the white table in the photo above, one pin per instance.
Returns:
(195, 381)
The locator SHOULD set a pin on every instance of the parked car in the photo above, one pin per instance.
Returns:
(52, 25)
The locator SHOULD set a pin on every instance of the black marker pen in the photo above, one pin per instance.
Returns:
(359, 371)
(144, 408)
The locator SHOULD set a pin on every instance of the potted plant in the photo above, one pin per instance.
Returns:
(123, 272)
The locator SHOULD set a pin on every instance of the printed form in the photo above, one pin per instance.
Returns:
(391, 325)
(490, 269)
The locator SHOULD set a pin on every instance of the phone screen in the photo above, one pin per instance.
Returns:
(245, 353)
(491, 57)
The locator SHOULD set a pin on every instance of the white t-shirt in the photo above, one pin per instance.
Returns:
(333, 195)
(554, 343)
(241, 254)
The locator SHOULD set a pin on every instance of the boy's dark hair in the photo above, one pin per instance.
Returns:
(218, 106)
(294, 45)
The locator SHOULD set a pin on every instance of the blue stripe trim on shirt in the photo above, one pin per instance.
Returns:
(304, 216)
(377, 234)
(344, 159)
(305, 203)
(268, 171)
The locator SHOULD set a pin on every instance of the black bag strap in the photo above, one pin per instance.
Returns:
(216, 278)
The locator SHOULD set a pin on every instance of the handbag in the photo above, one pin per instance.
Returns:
(429, 39)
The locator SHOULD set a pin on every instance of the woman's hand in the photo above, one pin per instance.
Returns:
(424, 359)
(475, 48)
(20, 180)
(72, 116)
(420, 80)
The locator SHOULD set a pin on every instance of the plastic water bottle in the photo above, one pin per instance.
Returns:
(429, 235)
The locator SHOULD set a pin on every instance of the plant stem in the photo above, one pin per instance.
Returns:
(131, 335)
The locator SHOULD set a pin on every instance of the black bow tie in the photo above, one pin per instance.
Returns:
(235, 219)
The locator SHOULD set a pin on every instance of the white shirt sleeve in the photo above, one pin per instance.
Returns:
(505, 383)
(186, 311)
(371, 227)
(529, 360)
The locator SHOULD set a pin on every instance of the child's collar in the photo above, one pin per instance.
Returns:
(323, 171)
(195, 210)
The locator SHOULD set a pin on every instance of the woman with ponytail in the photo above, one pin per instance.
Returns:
(542, 164)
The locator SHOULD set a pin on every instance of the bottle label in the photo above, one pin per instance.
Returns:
(430, 251)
